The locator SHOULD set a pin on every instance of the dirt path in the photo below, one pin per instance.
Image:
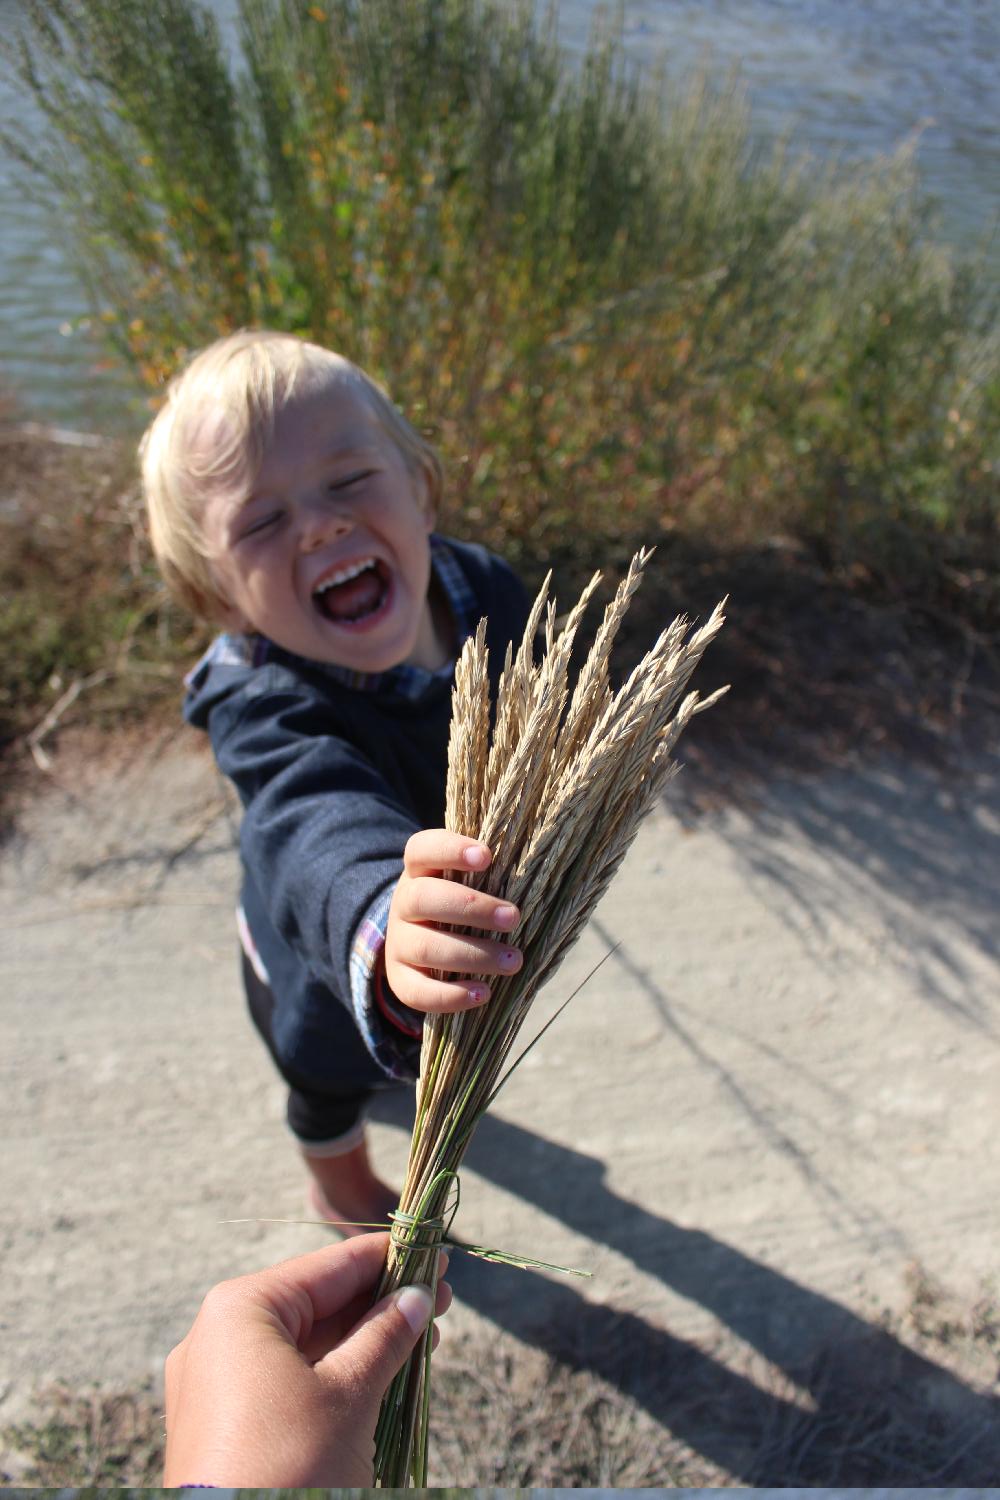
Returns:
(779, 1094)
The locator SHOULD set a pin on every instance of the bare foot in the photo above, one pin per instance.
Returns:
(346, 1192)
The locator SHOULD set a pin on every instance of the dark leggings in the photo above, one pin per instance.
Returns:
(315, 1115)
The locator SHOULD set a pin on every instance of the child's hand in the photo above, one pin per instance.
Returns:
(415, 945)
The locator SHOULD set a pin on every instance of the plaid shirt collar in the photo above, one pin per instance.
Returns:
(403, 681)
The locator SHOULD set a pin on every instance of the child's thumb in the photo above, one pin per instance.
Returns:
(377, 1348)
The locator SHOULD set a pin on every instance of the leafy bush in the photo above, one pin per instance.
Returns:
(613, 314)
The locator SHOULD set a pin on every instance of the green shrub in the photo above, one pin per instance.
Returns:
(612, 313)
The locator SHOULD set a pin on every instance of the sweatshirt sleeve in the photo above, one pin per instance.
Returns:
(382, 1019)
(323, 838)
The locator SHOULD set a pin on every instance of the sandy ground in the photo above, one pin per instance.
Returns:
(779, 1094)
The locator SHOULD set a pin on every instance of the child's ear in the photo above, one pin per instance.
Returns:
(217, 607)
(228, 616)
(233, 621)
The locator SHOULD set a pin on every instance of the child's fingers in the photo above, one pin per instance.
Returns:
(435, 849)
(425, 949)
(440, 996)
(429, 899)
(453, 953)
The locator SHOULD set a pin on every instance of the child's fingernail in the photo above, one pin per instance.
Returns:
(476, 857)
(505, 916)
(414, 1302)
(478, 993)
(510, 960)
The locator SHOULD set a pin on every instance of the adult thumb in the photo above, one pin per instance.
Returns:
(379, 1345)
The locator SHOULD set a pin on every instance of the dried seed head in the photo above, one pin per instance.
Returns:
(559, 795)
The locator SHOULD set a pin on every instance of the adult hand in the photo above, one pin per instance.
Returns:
(424, 904)
(279, 1381)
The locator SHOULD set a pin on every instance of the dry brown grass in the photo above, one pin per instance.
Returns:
(80, 1438)
(87, 634)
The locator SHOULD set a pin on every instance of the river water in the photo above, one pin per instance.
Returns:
(851, 78)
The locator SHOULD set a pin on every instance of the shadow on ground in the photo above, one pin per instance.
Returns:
(923, 847)
(828, 1398)
(856, 1405)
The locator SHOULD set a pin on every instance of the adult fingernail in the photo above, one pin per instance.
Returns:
(477, 857)
(414, 1302)
(505, 916)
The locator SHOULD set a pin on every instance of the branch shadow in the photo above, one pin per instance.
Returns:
(865, 1407)
(760, 1116)
(921, 847)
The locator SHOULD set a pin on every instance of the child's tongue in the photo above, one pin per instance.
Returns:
(358, 596)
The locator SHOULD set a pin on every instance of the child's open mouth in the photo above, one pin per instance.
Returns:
(354, 593)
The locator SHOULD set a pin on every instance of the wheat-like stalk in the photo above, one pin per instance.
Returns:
(558, 796)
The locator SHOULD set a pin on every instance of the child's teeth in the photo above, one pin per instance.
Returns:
(345, 575)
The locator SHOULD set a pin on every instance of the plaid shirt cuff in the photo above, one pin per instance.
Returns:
(391, 1031)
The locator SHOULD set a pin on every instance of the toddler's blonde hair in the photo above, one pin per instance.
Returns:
(212, 432)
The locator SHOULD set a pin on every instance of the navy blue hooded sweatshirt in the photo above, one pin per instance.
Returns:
(333, 780)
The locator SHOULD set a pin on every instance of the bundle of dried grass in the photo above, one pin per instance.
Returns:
(558, 796)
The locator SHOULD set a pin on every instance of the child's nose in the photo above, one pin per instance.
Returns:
(321, 523)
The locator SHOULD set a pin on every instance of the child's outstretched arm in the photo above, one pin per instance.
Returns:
(425, 902)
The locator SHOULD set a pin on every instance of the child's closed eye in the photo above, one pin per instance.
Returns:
(348, 480)
(261, 524)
